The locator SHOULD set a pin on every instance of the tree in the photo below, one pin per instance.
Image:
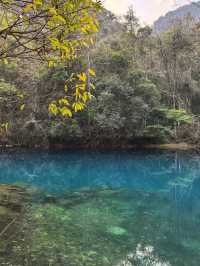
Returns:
(131, 25)
(38, 27)
(131, 22)
(55, 32)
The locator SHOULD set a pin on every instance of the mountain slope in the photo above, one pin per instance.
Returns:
(164, 22)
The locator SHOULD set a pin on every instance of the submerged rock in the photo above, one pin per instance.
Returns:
(117, 231)
(12, 208)
(12, 202)
(50, 199)
(4, 211)
(12, 197)
(143, 256)
(72, 199)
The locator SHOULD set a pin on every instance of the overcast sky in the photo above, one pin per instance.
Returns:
(147, 10)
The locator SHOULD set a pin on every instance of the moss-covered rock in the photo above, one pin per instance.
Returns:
(12, 197)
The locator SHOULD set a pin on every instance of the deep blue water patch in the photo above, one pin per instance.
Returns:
(58, 171)
(109, 208)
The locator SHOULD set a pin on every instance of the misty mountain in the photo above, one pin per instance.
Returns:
(165, 22)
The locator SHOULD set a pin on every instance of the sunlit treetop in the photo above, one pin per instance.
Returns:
(55, 32)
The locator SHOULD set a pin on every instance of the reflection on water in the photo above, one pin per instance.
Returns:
(74, 170)
(104, 209)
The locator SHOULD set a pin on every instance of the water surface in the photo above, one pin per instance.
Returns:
(105, 208)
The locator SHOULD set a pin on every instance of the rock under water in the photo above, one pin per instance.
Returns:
(143, 256)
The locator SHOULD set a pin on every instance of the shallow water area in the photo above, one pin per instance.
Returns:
(78, 208)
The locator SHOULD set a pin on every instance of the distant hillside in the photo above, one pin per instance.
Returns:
(164, 22)
(108, 23)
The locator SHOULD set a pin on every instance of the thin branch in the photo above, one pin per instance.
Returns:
(8, 226)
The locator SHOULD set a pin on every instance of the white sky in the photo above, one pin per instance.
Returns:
(147, 10)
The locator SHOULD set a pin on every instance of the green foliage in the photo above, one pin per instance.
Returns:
(10, 99)
(177, 115)
(6, 87)
(159, 132)
(149, 92)
(118, 62)
(135, 74)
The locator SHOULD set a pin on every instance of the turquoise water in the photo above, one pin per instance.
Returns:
(105, 208)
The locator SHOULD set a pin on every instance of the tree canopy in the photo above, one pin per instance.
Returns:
(56, 32)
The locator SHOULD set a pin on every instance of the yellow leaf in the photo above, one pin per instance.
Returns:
(37, 2)
(51, 64)
(22, 107)
(91, 72)
(5, 61)
(66, 87)
(5, 126)
(82, 77)
(52, 11)
(78, 106)
(53, 108)
(28, 8)
(66, 112)
(91, 41)
(86, 96)
(92, 86)
(20, 95)
(55, 43)
(63, 101)
(77, 93)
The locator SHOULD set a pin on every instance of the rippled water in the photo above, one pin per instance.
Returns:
(105, 208)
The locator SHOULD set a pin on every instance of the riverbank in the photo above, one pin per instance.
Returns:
(183, 146)
(172, 146)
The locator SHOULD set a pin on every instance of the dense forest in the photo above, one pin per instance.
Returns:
(147, 89)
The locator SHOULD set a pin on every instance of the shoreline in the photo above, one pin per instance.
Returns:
(183, 146)
(172, 146)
